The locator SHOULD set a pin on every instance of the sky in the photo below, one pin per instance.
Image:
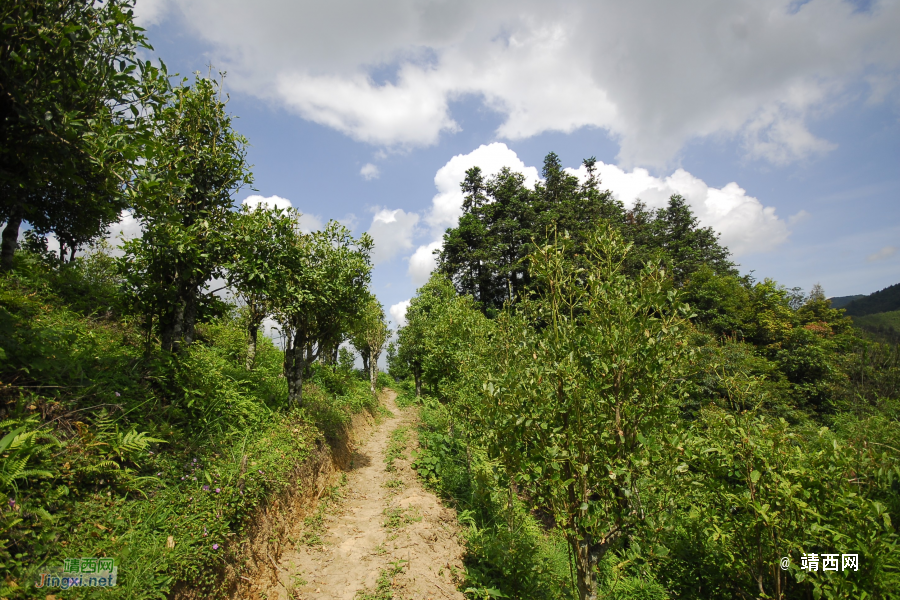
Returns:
(778, 121)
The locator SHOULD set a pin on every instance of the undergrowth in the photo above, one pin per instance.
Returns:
(509, 553)
(111, 448)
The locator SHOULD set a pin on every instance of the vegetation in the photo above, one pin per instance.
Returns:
(885, 300)
(639, 413)
(110, 447)
(142, 417)
(613, 409)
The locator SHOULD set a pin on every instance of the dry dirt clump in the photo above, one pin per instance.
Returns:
(376, 534)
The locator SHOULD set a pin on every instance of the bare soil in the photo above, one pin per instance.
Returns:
(378, 534)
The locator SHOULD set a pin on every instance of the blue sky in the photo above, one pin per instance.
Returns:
(779, 121)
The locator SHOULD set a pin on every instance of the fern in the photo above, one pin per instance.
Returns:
(132, 442)
(22, 452)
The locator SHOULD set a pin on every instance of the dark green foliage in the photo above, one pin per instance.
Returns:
(186, 188)
(885, 300)
(503, 221)
(72, 95)
(673, 233)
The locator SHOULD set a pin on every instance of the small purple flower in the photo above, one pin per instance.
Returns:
(218, 490)
(194, 478)
(182, 478)
(215, 546)
(195, 460)
(12, 503)
(159, 474)
(205, 488)
(260, 471)
(118, 395)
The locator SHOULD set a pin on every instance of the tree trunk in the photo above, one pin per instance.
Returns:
(418, 377)
(293, 370)
(586, 559)
(10, 239)
(373, 372)
(252, 332)
(365, 359)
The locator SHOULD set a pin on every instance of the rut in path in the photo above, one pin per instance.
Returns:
(382, 536)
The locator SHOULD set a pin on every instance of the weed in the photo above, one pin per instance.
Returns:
(384, 585)
(395, 448)
(395, 518)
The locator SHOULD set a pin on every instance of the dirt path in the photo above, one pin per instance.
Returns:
(380, 535)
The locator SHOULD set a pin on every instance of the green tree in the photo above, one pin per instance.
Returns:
(259, 250)
(370, 335)
(674, 234)
(186, 196)
(72, 98)
(585, 378)
(484, 255)
(319, 296)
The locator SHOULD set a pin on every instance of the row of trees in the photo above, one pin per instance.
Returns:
(89, 130)
(680, 424)
(485, 255)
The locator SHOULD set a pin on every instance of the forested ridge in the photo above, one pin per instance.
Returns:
(620, 414)
(611, 407)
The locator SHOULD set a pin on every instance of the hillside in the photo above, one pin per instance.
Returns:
(885, 300)
(843, 301)
(884, 325)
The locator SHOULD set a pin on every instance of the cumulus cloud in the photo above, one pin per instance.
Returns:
(392, 231)
(151, 12)
(369, 172)
(422, 263)
(256, 201)
(883, 254)
(398, 312)
(310, 223)
(745, 224)
(654, 74)
(446, 206)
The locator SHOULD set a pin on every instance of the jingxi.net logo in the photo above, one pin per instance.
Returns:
(81, 572)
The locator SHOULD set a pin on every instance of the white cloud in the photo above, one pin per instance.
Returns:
(151, 12)
(656, 74)
(883, 254)
(256, 201)
(398, 312)
(446, 206)
(422, 263)
(128, 228)
(369, 172)
(392, 231)
(745, 224)
(412, 113)
(310, 223)
(798, 218)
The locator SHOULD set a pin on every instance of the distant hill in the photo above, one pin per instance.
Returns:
(842, 301)
(885, 300)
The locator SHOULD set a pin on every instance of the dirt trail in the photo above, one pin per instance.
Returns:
(381, 535)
